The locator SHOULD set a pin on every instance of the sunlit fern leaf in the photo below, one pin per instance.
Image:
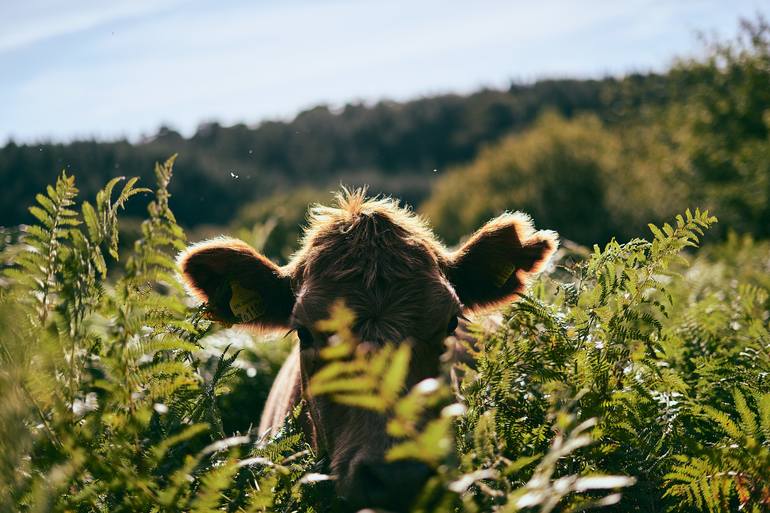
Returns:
(42, 244)
(698, 483)
(213, 483)
(747, 417)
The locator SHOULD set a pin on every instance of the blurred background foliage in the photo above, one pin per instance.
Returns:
(705, 141)
(591, 159)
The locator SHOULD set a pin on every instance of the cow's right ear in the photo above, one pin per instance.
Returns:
(239, 285)
(495, 264)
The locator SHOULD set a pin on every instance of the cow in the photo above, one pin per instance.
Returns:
(402, 284)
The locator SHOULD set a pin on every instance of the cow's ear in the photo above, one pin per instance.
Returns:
(493, 266)
(239, 285)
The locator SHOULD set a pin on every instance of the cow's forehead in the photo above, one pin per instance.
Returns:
(391, 311)
(380, 259)
(370, 236)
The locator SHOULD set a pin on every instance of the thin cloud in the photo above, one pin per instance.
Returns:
(31, 22)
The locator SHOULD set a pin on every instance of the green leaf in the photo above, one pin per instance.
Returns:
(748, 420)
(395, 376)
(656, 232)
(42, 216)
(92, 222)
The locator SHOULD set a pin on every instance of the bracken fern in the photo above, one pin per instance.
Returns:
(635, 367)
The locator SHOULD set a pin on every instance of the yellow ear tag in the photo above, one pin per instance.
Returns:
(245, 304)
(504, 274)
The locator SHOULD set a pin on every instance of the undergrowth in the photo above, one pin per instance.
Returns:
(626, 379)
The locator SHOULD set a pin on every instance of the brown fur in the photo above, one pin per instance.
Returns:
(388, 267)
(285, 393)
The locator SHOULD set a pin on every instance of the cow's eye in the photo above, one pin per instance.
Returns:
(452, 325)
(305, 337)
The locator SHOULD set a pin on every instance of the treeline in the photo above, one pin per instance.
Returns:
(591, 159)
(698, 135)
(592, 178)
(397, 148)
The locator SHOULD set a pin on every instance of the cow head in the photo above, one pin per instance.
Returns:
(403, 287)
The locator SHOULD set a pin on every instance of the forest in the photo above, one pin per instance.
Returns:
(633, 375)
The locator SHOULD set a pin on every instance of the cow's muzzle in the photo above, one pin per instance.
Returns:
(390, 486)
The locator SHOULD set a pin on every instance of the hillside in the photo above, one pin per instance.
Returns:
(398, 148)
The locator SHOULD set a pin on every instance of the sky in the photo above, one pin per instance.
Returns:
(122, 68)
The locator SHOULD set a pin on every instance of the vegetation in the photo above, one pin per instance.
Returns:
(634, 375)
(393, 147)
(618, 371)
(572, 174)
(592, 178)
(591, 159)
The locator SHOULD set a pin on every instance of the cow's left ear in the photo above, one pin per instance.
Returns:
(239, 285)
(493, 266)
